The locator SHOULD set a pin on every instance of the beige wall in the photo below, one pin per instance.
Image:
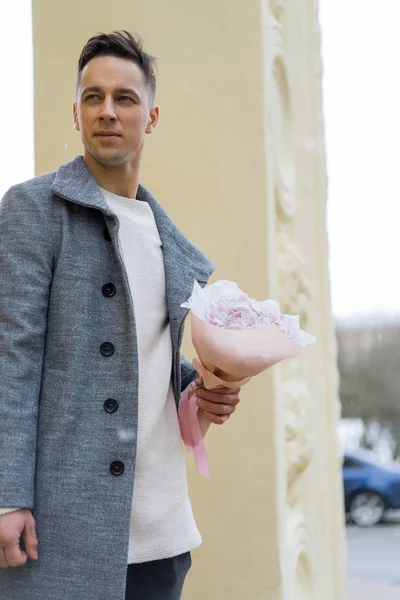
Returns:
(238, 162)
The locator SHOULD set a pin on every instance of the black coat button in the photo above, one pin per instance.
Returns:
(108, 290)
(110, 405)
(106, 234)
(107, 349)
(117, 467)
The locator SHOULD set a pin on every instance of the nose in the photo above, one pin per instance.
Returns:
(107, 113)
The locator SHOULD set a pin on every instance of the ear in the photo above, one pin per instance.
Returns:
(153, 119)
(75, 116)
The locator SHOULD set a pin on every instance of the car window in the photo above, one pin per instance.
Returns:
(350, 463)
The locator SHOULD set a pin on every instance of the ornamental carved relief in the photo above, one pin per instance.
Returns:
(297, 182)
(293, 285)
(300, 586)
(277, 7)
(282, 132)
(295, 298)
(298, 438)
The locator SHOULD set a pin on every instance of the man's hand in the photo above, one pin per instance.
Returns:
(217, 404)
(12, 526)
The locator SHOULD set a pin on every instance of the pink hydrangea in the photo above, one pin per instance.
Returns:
(242, 312)
(225, 305)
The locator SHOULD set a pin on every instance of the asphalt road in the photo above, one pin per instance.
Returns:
(373, 561)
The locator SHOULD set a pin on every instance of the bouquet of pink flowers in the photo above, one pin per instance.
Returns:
(235, 338)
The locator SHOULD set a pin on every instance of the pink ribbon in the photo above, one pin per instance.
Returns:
(190, 429)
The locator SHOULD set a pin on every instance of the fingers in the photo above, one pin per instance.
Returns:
(30, 538)
(216, 419)
(12, 526)
(11, 553)
(216, 408)
(223, 391)
(199, 380)
(218, 405)
(230, 397)
(15, 556)
(3, 560)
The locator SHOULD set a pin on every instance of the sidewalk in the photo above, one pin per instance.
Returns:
(372, 590)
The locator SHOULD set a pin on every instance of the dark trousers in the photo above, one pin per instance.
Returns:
(158, 579)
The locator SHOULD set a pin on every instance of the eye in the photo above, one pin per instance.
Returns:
(126, 99)
(92, 97)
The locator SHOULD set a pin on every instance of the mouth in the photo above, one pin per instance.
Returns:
(107, 135)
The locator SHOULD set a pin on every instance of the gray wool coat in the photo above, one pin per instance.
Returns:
(65, 348)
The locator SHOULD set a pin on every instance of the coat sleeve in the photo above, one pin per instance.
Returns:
(188, 373)
(26, 264)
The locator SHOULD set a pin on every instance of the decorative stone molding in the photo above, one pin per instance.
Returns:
(299, 586)
(297, 168)
(284, 161)
(294, 285)
(298, 436)
(277, 7)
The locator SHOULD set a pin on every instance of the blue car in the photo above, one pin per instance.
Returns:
(371, 487)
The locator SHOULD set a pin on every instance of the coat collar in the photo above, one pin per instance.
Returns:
(183, 261)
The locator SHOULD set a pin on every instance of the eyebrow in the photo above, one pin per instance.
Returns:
(127, 91)
(96, 89)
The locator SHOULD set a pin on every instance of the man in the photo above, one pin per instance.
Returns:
(93, 273)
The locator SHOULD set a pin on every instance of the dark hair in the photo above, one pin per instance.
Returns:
(120, 44)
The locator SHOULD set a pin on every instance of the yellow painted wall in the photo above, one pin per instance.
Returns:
(213, 163)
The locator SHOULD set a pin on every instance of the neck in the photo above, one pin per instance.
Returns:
(122, 180)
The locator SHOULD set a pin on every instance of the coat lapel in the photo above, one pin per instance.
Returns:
(183, 262)
(74, 182)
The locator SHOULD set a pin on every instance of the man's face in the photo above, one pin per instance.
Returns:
(113, 111)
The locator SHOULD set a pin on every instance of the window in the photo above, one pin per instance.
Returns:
(350, 463)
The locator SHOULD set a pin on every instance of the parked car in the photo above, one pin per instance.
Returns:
(371, 487)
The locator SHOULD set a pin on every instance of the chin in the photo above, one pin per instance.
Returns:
(111, 158)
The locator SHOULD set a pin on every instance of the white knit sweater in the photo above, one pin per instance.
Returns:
(162, 523)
